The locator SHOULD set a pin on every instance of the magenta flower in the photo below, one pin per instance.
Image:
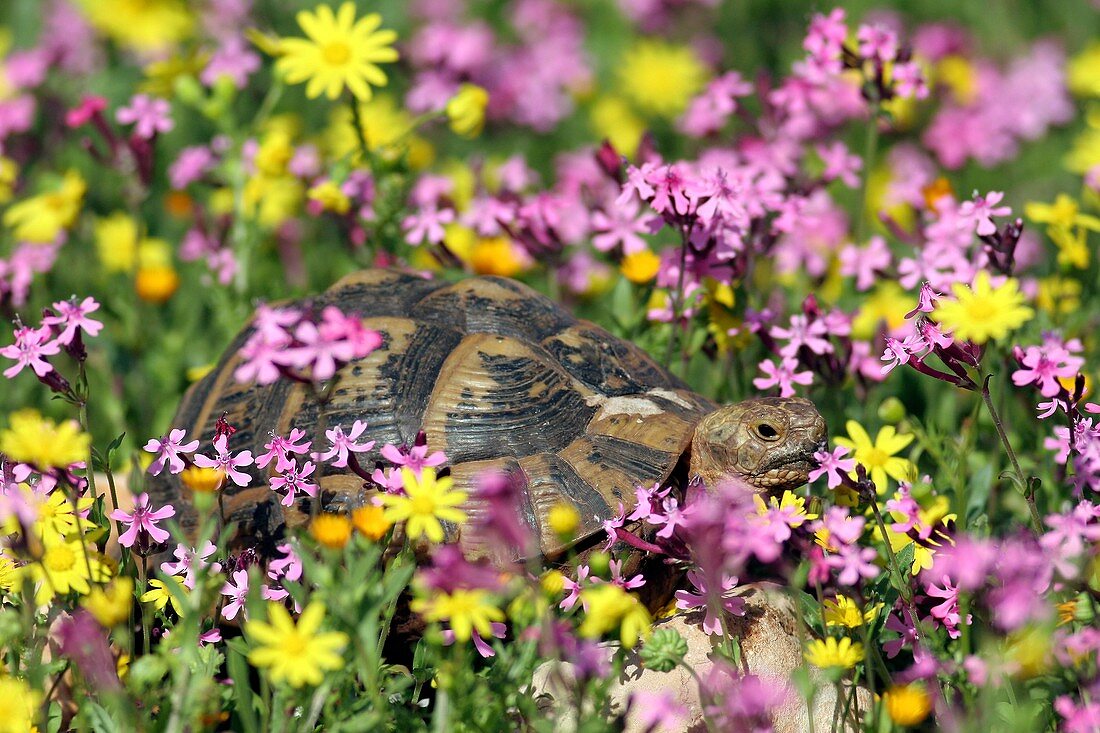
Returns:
(840, 164)
(947, 612)
(701, 597)
(226, 463)
(31, 347)
(803, 332)
(900, 352)
(926, 300)
(877, 43)
(616, 567)
(189, 560)
(294, 480)
(620, 227)
(834, 465)
(73, 316)
(83, 113)
(426, 225)
(415, 458)
(854, 563)
(340, 444)
(497, 629)
(981, 210)
(783, 376)
(237, 592)
(280, 448)
(1044, 365)
(190, 165)
(168, 451)
(143, 520)
(865, 263)
(574, 588)
(148, 115)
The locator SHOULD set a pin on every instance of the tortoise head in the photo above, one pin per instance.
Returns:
(767, 442)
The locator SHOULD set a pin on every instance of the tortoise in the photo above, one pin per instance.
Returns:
(501, 377)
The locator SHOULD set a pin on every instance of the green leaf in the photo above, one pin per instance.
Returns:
(242, 688)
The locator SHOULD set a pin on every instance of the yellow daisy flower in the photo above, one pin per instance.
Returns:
(843, 611)
(371, 522)
(878, 456)
(427, 500)
(610, 607)
(159, 595)
(908, 705)
(110, 606)
(295, 653)
(18, 705)
(55, 513)
(466, 110)
(983, 312)
(826, 653)
(661, 78)
(9, 573)
(331, 530)
(340, 52)
(40, 219)
(465, 610)
(64, 568)
(143, 25)
(40, 441)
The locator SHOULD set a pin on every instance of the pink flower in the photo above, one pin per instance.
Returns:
(947, 612)
(226, 463)
(31, 347)
(148, 115)
(1045, 365)
(657, 711)
(866, 262)
(877, 42)
(900, 352)
(574, 588)
(415, 458)
(854, 563)
(497, 629)
(233, 60)
(834, 465)
(335, 341)
(803, 332)
(701, 598)
(81, 114)
(341, 444)
(782, 376)
(280, 448)
(980, 211)
(294, 480)
(189, 560)
(840, 164)
(427, 225)
(73, 315)
(237, 591)
(168, 451)
(143, 519)
(191, 164)
(621, 226)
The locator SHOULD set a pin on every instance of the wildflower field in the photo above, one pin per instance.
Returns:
(286, 446)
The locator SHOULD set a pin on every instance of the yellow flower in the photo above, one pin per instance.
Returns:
(612, 119)
(843, 611)
(9, 573)
(878, 457)
(55, 513)
(331, 530)
(144, 25)
(387, 128)
(563, 519)
(202, 480)
(610, 607)
(9, 173)
(110, 605)
(552, 582)
(427, 501)
(984, 312)
(63, 568)
(340, 52)
(1058, 294)
(497, 256)
(958, 75)
(937, 513)
(18, 705)
(330, 197)
(789, 501)
(41, 442)
(661, 78)
(40, 219)
(163, 74)
(640, 267)
(1083, 72)
(465, 610)
(1067, 227)
(160, 596)
(272, 200)
(371, 522)
(886, 305)
(466, 110)
(826, 653)
(296, 654)
(156, 284)
(116, 242)
(908, 705)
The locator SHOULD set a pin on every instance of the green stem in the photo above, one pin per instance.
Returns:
(360, 134)
(677, 302)
(1025, 484)
(870, 145)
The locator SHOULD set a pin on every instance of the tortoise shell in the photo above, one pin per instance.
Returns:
(497, 375)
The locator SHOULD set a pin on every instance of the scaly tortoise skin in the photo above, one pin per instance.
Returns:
(499, 377)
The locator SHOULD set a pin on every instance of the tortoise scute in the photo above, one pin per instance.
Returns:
(497, 375)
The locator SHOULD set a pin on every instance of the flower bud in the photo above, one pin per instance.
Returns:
(664, 650)
(891, 411)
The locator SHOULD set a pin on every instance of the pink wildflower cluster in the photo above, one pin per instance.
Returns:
(287, 342)
(62, 327)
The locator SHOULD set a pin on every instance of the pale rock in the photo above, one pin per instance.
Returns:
(770, 647)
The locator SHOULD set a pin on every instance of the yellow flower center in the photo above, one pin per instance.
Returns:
(59, 559)
(875, 457)
(423, 504)
(982, 309)
(336, 53)
(295, 644)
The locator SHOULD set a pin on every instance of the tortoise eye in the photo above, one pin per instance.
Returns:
(767, 432)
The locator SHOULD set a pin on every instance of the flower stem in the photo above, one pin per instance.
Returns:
(1025, 484)
(678, 302)
(870, 145)
(357, 123)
